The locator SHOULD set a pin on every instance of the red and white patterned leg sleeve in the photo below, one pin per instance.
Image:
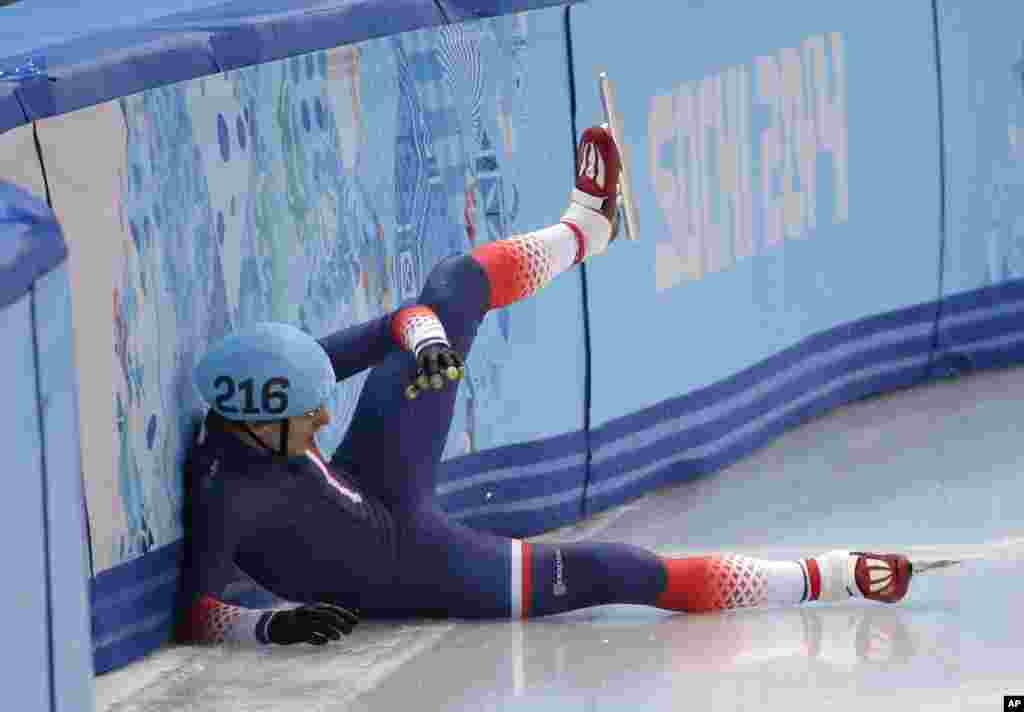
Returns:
(213, 621)
(415, 328)
(520, 266)
(716, 583)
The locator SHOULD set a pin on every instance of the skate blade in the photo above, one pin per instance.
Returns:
(920, 567)
(613, 122)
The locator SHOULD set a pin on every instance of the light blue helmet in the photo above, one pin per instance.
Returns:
(265, 372)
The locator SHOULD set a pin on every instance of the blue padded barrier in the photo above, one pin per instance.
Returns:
(41, 518)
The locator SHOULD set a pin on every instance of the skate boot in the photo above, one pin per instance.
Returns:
(593, 206)
(858, 574)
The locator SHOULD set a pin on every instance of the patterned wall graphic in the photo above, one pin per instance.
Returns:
(318, 190)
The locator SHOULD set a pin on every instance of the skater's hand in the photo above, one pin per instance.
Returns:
(316, 624)
(436, 366)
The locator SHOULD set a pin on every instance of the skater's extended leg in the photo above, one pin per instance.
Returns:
(448, 569)
(618, 573)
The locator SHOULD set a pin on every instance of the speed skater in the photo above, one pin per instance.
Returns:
(361, 535)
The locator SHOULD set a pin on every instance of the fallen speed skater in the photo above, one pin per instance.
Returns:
(361, 535)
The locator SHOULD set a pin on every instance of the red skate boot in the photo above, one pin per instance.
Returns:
(882, 577)
(593, 207)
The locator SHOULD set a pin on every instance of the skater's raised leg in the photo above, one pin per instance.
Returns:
(395, 442)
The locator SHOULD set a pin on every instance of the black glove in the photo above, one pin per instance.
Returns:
(316, 624)
(436, 364)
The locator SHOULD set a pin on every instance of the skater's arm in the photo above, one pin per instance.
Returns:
(356, 348)
(211, 620)
(210, 569)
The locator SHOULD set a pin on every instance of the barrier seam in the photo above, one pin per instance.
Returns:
(47, 563)
(50, 642)
(42, 163)
(943, 192)
(584, 292)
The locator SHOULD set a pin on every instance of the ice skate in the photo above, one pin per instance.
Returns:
(856, 574)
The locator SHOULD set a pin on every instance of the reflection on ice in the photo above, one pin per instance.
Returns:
(580, 655)
(276, 679)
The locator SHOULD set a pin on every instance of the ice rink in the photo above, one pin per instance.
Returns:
(932, 471)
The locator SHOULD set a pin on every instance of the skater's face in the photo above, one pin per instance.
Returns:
(304, 427)
(301, 431)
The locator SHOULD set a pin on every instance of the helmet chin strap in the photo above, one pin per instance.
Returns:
(283, 447)
(285, 427)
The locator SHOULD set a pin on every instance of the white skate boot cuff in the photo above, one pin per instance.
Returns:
(837, 576)
(586, 199)
(596, 229)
